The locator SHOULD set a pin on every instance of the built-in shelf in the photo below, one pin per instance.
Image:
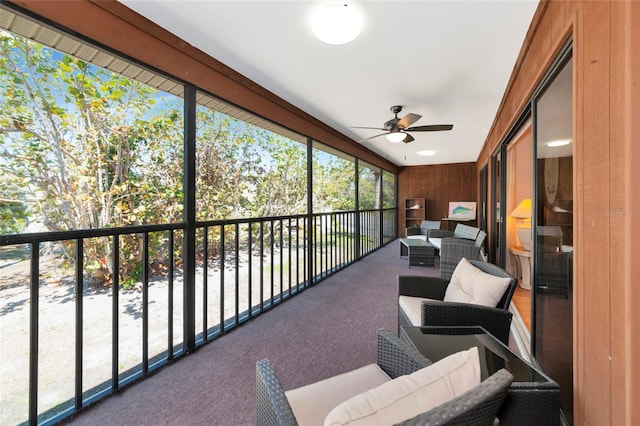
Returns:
(414, 212)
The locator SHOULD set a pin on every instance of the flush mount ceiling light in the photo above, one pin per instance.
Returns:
(560, 142)
(396, 137)
(337, 24)
(426, 153)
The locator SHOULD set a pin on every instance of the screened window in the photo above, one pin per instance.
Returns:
(388, 190)
(369, 186)
(246, 167)
(95, 143)
(333, 180)
(84, 147)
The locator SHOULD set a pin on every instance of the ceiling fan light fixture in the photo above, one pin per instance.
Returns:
(337, 24)
(395, 137)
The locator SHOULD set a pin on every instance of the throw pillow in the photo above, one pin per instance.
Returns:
(407, 396)
(471, 285)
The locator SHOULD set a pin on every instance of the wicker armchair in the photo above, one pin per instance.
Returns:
(413, 231)
(436, 312)
(453, 249)
(465, 241)
(478, 406)
(428, 225)
(423, 230)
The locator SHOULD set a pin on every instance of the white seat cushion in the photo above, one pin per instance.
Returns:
(407, 396)
(417, 237)
(437, 242)
(471, 285)
(412, 308)
(311, 404)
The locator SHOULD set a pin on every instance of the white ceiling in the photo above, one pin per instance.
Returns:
(448, 61)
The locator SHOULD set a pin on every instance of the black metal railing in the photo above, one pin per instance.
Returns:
(254, 265)
(129, 328)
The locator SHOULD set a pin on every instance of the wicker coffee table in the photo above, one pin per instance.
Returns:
(420, 252)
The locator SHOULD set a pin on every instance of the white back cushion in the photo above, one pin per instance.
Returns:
(407, 396)
(471, 285)
(465, 231)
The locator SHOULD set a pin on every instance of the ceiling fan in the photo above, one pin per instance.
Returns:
(396, 129)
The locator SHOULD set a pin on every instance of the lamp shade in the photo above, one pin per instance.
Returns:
(396, 137)
(523, 211)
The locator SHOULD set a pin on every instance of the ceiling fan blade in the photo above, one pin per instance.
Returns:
(372, 137)
(408, 138)
(408, 120)
(430, 128)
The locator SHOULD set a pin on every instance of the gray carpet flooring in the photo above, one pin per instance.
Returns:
(325, 330)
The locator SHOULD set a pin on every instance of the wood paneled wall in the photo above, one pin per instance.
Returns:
(438, 184)
(606, 51)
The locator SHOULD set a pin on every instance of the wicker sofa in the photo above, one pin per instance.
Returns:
(395, 358)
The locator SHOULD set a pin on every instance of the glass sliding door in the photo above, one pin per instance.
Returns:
(553, 230)
(483, 220)
(518, 236)
(497, 210)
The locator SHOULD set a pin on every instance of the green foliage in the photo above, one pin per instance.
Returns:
(221, 161)
(13, 218)
(85, 148)
(245, 171)
(13, 209)
(282, 189)
(388, 190)
(333, 183)
(369, 188)
(129, 282)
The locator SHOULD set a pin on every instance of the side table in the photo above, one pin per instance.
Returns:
(533, 397)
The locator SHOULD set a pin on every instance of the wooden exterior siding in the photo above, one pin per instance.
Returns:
(606, 52)
(112, 24)
(438, 184)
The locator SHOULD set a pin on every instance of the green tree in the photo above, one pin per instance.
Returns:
(13, 208)
(333, 182)
(225, 164)
(388, 190)
(369, 188)
(244, 171)
(282, 187)
(84, 148)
